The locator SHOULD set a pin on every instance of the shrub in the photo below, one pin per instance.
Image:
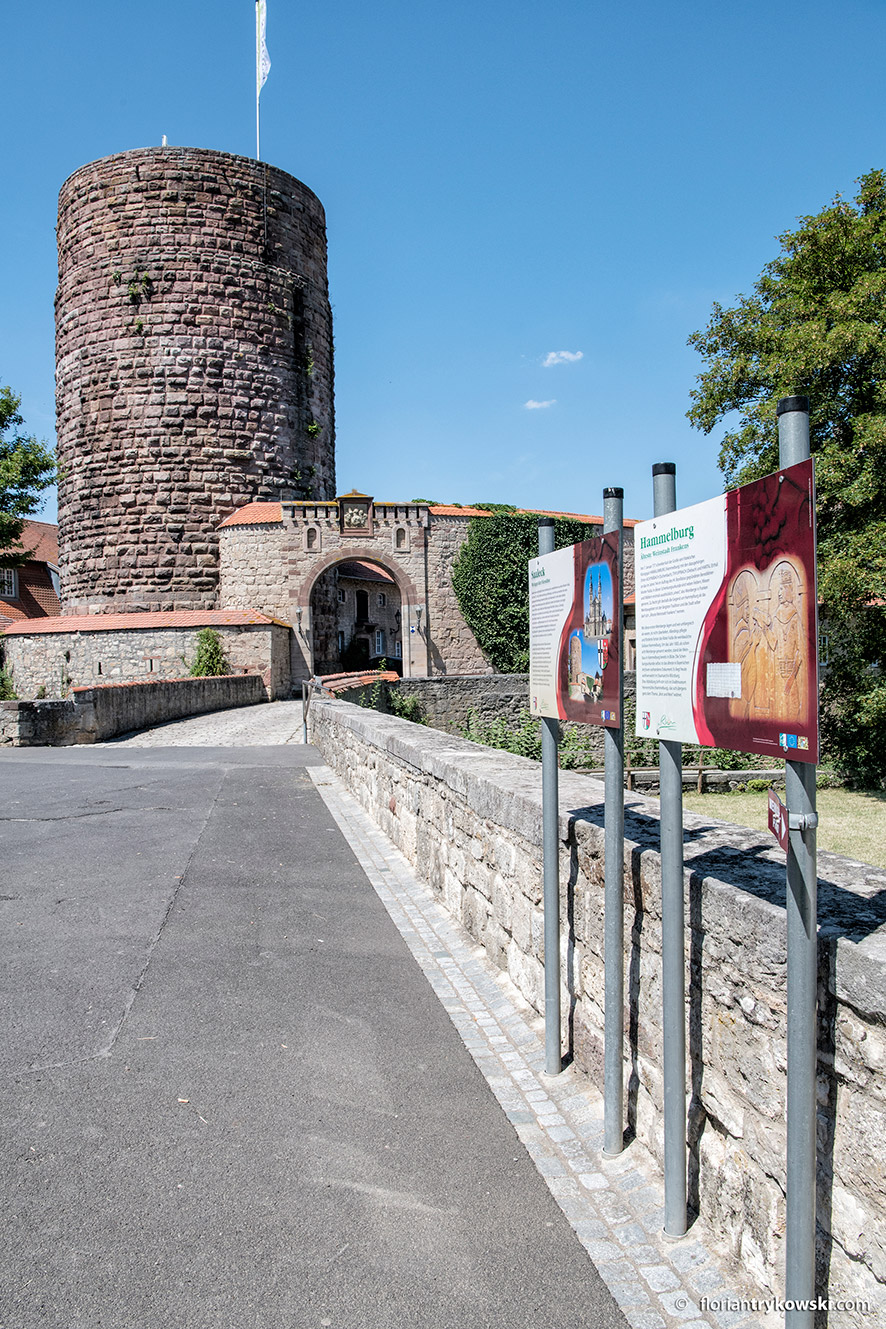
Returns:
(407, 708)
(210, 660)
(7, 691)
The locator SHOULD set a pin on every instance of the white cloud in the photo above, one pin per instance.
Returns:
(561, 358)
(538, 405)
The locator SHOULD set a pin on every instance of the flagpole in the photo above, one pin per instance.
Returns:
(257, 79)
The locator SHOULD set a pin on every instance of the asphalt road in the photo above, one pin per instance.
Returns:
(229, 1096)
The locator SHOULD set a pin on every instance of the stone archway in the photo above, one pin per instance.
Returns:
(316, 612)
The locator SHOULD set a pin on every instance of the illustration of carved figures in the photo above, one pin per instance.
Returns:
(767, 638)
(790, 644)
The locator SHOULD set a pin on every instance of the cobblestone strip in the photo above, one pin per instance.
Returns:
(615, 1205)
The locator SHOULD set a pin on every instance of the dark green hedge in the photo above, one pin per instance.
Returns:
(491, 581)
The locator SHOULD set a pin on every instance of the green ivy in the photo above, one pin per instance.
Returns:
(491, 582)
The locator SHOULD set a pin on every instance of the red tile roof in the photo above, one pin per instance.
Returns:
(36, 596)
(341, 682)
(253, 514)
(179, 618)
(41, 539)
(452, 510)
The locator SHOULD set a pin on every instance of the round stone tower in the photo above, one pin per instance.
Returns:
(193, 366)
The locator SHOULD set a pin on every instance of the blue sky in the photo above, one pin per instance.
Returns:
(501, 181)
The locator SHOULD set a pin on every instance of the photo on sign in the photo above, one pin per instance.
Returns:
(588, 646)
(588, 671)
(574, 613)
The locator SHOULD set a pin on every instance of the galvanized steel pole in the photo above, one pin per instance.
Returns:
(802, 929)
(613, 747)
(673, 980)
(550, 819)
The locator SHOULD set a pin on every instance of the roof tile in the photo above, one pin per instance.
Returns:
(253, 514)
(179, 618)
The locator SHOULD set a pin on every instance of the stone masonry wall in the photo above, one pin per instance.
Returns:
(194, 367)
(251, 569)
(469, 819)
(276, 569)
(453, 647)
(92, 715)
(445, 702)
(60, 661)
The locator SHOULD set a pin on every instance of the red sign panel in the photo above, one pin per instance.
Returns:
(778, 819)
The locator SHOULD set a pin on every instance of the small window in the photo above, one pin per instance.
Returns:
(342, 595)
(379, 642)
(400, 538)
(382, 599)
(341, 643)
(8, 584)
(398, 651)
(312, 537)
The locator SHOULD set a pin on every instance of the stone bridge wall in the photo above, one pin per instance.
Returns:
(58, 661)
(91, 715)
(469, 819)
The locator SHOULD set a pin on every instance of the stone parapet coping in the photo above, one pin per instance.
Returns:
(470, 820)
(746, 865)
(178, 618)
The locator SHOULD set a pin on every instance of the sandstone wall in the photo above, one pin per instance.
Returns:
(252, 573)
(91, 715)
(445, 702)
(453, 647)
(59, 661)
(194, 367)
(469, 819)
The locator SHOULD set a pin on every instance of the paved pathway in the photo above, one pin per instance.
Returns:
(246, 726)
(230, 1099)
(613, 1206)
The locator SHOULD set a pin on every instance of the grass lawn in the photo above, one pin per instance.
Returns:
(850, 822)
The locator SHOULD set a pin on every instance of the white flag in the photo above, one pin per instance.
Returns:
(262, 59)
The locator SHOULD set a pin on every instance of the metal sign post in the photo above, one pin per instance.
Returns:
(550, 817)
(802, 928)
(673, 981)
(613, 954)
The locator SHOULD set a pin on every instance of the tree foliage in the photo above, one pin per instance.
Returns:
(27, 467)
(816, 325)
(491, 582)
(210, 660)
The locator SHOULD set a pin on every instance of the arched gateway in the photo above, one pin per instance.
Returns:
(287, 559)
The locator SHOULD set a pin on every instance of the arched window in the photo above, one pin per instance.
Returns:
(312, 537)
(400, 538)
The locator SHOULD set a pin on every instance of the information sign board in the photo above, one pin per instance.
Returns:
(574, 633)
(727, 627)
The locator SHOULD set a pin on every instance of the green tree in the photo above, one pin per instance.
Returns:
(491, 583)
(816, 325)
(27, 467)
